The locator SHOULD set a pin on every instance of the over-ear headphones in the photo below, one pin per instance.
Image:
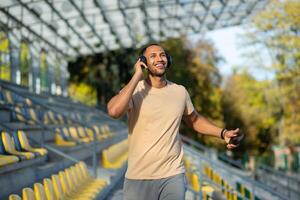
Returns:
(144, 59)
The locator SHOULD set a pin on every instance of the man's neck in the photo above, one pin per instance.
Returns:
(157, 82)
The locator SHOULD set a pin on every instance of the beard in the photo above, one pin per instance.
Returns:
(156, 72)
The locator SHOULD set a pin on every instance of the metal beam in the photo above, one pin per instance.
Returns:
(36, 15)
(126, 22)
(31, 31)
(148, 31)
(88, 23)
(69, 25)
(106, 20)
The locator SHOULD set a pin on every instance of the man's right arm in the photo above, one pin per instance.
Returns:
(118, 105)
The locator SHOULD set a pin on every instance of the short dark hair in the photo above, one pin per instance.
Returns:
(143, 50)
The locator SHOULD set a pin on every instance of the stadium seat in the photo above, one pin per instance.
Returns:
(28, 194)
(14, 197)
(78, 189)
(26, 146)
(106, 131)
(74, 134)
(64, 183)
(207, 192)
(61, 139)
(39, 191)
(19, 114)
(98, 132)
(8, 97)
(33, 114)
(49, 118)
(6, 160)
(115, 156)
(87, 178)
(58, 190)
(9, 147)
(49, 189)
(83, 134)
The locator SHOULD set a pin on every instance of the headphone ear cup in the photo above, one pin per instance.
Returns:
(143, 59)
(169, 58)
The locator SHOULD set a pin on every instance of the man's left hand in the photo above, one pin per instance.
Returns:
(230, 134)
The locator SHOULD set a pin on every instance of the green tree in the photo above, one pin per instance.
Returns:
(278, 29)
(248, 104)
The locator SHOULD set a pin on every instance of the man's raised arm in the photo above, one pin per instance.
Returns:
(118, 105)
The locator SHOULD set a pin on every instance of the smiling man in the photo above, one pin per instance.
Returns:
(155, 108)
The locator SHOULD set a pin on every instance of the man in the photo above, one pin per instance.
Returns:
(155, 108)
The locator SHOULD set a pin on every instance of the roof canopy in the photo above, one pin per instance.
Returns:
(81, 27)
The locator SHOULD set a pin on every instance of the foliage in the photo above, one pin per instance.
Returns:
(247, 104)
(278, 29)
(83, 93)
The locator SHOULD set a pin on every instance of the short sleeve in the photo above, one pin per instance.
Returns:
(189, 107)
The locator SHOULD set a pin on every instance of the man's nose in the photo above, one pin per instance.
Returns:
(160, 58)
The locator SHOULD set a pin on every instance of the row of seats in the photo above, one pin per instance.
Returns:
(73, 135)
(229, 191)
(73, 183)
(7, 97)
(116, 155)
(34, 115)
(17, 148)
(26, 111)
(193, 180)
(213, 176)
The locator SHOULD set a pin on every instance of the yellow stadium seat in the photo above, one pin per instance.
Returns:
(39, 191)
(82, 134)
(115, 156)
(77, 190)
(7, 159)
(49, 189)
(26, 146)
(100, 136)
(64, 184)
(9, 147)
(74, 134)
(207, 192)
(106, 131)
(86, 175)
(14, 197)
(60, 141)
(28, 194)
(8, 97)
(59, 193)
(32, 114)
(28, 102)
(60, 119)
(19, 114)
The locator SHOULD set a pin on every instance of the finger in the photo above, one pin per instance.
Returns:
(144, 65)
(237, 130)
(231, 134)
(232, 146)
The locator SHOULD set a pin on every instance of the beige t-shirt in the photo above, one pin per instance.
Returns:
(154, 116)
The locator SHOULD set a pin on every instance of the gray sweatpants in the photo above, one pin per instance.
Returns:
(170, 188)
